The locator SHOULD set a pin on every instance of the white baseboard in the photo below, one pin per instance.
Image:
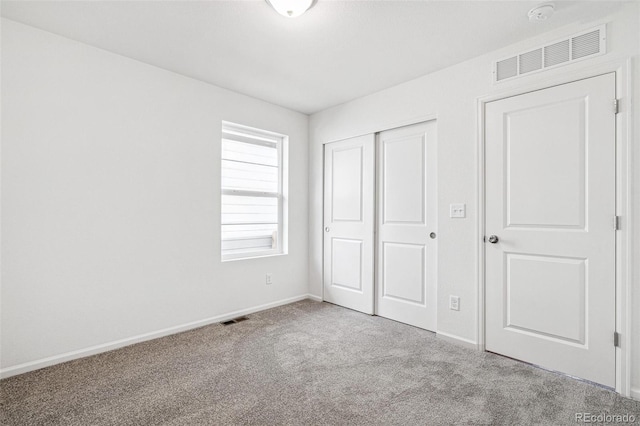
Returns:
(105, 347)
(315, 298)
(635, 393)
(457, 340)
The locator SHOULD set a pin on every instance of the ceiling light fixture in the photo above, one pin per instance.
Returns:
(541, 12)
(291, 8)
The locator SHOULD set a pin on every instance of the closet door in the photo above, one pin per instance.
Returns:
(407, 217)
(349, 211)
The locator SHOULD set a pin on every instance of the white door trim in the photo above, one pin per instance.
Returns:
(624, 208)
(387, 126)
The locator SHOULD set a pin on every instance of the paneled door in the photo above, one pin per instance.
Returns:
(550, 235)
(407, 225)
(349, 223)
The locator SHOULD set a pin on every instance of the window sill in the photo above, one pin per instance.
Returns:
(251, 256)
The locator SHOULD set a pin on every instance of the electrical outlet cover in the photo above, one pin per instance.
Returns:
(454, 303)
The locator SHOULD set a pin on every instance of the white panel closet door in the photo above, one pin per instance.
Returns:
(407, 214)
(349, 223)
(550, 202)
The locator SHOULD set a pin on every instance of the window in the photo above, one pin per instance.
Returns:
(253, 200)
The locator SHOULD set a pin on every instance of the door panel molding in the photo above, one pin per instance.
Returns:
(341, 274)
(346, 188)
(557, 268)
(409, 209)
(403, 251)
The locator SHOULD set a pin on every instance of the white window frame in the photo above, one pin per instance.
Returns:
(281, 143)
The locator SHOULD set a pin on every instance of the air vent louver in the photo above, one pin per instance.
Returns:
(580, 46)
(507, 68)
(585, 44)
(557, 53)
(530, 61)
(234, 320)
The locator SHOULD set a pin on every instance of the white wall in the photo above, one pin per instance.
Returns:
(110, 201)
(451, 95)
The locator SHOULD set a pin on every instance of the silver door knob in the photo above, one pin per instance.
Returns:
(327, 229)
(493, 239)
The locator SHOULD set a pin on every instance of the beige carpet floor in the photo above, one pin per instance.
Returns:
(307, 363)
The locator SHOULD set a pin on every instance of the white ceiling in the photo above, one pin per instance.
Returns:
(338, 51)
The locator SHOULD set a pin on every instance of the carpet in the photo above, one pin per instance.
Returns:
(306, 363)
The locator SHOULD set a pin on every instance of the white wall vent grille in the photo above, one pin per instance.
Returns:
(585, 45)
(557, 53)
(530, 61)
(507, 68)
(580, 46)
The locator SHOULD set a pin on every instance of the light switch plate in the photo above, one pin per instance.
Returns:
(457, 210)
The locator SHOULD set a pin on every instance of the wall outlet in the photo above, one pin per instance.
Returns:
(269, 279)
(454, 303)
(457, 210)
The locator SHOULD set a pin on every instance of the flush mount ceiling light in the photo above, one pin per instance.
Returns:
(291, 8)
(541, 12)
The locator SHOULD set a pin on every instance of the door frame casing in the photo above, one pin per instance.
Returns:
(624, 196)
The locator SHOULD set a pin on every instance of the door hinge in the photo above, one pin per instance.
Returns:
(616, 339)
(616, 106)
(616, 223)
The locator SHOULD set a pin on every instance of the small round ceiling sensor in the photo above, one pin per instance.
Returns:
(541, 12)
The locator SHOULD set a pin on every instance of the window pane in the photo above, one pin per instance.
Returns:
(249, 153)
(250, 177)
(240, 209)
